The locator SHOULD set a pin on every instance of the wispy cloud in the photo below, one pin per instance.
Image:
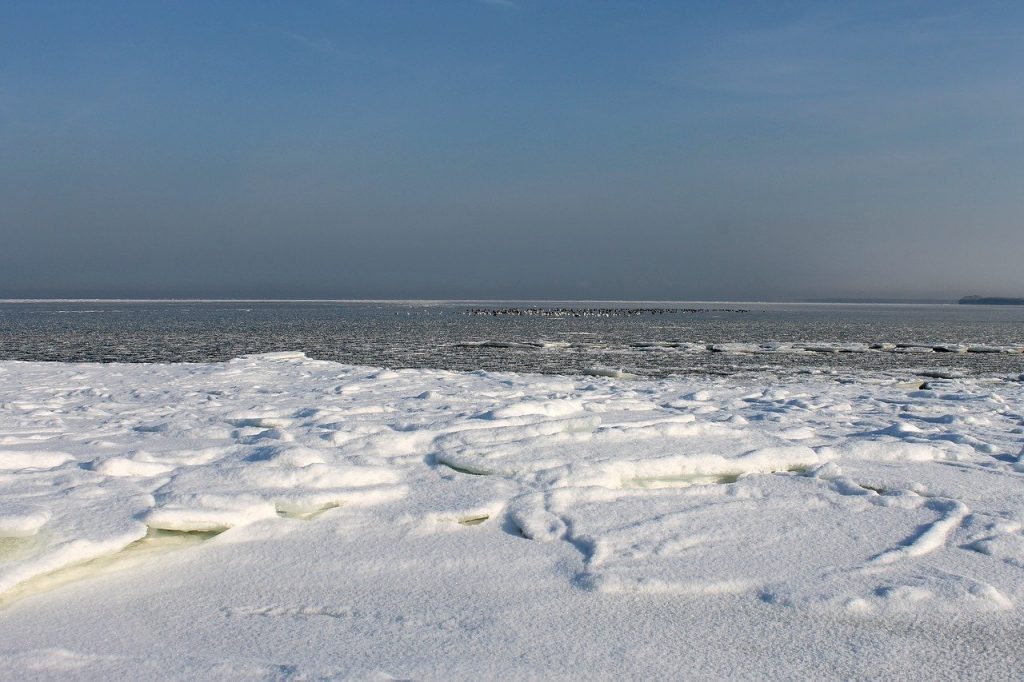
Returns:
(306, 42)
(322, 45)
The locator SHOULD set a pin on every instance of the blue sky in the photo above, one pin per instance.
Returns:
(528, 148)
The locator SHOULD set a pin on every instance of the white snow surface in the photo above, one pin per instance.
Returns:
(276, 517)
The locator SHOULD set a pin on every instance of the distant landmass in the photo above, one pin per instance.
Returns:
(878, 300)
(990, 300)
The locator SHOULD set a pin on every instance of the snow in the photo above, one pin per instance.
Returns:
(278, 517)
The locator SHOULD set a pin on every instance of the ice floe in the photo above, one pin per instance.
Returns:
(329, 520)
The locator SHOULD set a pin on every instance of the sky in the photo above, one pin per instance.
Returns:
(585, 149)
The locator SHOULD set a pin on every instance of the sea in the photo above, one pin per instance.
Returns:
(611, 338)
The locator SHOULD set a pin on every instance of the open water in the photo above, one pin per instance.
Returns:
(679, 338)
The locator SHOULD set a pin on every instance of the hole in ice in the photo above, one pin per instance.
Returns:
(151, 428)
(462, 470)
(158, 539)
(911, 385)
(679, 481)
(474, 520)
(14, 548)
(698, 478)
(306, 514)
(156, 543)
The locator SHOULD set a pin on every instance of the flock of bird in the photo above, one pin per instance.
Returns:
(593, 312)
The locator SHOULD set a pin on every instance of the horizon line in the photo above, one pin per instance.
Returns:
(838, 301)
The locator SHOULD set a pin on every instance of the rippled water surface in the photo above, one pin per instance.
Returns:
(930, 340)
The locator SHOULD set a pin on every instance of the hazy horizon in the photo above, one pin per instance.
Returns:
(512, 150)
(172, 299)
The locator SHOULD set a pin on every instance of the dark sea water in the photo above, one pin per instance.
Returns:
(927, 340)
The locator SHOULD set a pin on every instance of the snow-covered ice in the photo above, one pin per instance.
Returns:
(279, 517)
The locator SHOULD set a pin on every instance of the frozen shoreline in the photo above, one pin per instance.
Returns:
(276, 516)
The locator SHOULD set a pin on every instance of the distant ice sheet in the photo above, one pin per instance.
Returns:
(279, 517)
